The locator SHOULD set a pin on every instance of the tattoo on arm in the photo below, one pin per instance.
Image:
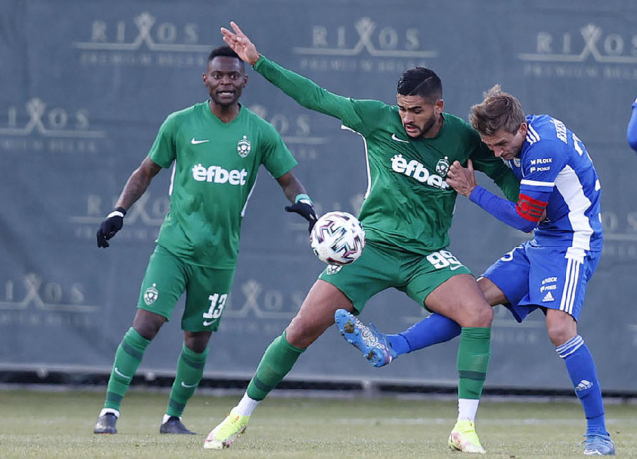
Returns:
(137, 183)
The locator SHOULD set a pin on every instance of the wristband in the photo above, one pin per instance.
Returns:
(118, 212)
(303, 197)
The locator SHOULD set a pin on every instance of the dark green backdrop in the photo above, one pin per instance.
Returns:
(85, 88)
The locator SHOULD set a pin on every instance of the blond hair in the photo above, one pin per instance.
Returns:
(497, 111)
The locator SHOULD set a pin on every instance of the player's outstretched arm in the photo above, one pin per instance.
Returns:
(525, 215)
(240, 44)
(301, 89)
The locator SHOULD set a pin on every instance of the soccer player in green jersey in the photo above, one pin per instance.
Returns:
(406, 215)
(215, 148)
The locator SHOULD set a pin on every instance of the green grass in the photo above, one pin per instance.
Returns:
(59, 425)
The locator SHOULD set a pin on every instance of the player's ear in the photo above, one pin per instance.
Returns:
(245, 81)
(439, 106)
(524, 128)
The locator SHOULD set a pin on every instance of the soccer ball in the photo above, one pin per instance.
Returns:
(338, 238)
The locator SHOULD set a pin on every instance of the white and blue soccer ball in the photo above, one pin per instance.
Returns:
(338, 238)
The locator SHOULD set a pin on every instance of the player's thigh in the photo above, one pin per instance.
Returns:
(461, 299)
(316, 314)
(558, 278)
(376, 270)
(491, 292)
(206, 296)
(510, 273)
(424, 274)
(164, 282)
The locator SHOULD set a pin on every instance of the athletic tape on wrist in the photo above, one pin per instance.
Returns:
(302, 197)
(118, 212)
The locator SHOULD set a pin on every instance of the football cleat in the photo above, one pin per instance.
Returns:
(367, 339)
(174, 426)
(106, 424)
(464, 438)
(227, 432)
(598, 445)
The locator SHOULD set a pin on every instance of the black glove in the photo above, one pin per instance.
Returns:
(306, 210)
(110, 226)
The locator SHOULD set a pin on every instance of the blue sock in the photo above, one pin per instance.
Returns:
(429, 331)
(581, 368)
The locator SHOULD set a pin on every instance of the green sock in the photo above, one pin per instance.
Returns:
(278, 360)
(473, 361)
(189, 373)
(127, 358)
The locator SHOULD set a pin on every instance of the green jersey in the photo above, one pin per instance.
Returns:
(215, 168)
(408, 205)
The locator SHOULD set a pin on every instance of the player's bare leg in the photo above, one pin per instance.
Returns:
(460, 298)
(315, 316)
(492, 293)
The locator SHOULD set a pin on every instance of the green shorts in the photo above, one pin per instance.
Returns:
(380, 268)
(167, 278)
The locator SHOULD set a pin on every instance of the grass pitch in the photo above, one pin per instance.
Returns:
(59, 425)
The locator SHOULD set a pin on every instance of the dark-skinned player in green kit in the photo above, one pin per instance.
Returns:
(215, 149)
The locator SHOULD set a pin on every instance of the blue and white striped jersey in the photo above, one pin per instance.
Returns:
(553, 159)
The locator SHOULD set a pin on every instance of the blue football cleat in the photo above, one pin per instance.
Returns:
(367, 339)
(598, 445)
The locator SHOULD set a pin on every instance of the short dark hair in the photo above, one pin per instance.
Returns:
(498, 110)
(420, 81)
(225, 51)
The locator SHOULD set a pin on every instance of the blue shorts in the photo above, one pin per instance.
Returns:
(534, 277)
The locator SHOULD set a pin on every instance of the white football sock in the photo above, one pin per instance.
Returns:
(467, 409)
(246, 406)
(109, 410)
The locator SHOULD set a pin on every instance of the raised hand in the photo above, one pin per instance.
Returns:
(240, 44)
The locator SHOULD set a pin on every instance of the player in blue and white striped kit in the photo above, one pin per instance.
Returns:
(631, 131)
(560, 200)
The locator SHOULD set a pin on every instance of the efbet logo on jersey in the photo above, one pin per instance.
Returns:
(219, 175)
(244, 147)
(416, 170)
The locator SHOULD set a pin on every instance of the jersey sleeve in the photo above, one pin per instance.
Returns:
(485, 161)
(310, 95)
(164, 150)
(523, 215)
(277, 158)
(542, 163)
(631, 132)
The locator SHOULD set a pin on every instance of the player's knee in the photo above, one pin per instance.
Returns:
(560, 333)
(484, 316)
(197, 341)
(476, 315)
(301, 332)
(147, 324)
(560, 327)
